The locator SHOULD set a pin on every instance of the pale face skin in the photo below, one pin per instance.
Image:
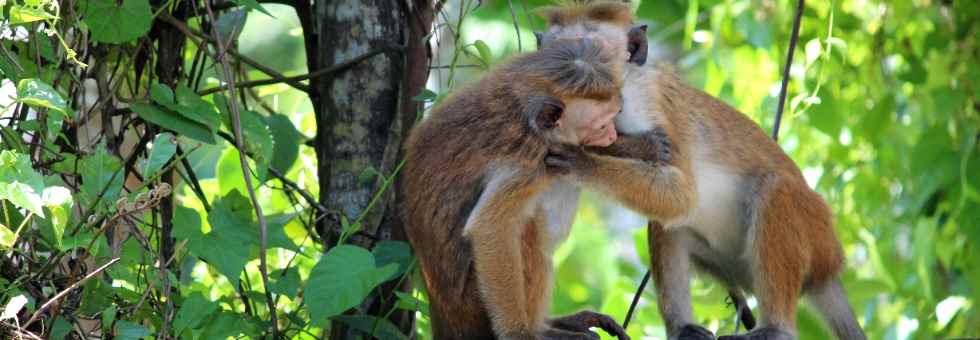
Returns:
(591, 121)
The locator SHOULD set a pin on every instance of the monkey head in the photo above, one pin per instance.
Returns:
(570, 92)
(611, 23)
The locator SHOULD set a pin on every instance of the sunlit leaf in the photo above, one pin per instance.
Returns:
(39, 94)
(484, 51)
(27, 14)
(19, 183)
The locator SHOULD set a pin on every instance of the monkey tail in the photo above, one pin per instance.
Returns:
(830, 299)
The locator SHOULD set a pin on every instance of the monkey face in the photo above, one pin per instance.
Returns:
(577, 121)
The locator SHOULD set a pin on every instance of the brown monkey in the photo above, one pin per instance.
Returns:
(480, 208)
(728, 199)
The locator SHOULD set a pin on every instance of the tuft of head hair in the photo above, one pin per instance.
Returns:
(573, 68)
(568, 12)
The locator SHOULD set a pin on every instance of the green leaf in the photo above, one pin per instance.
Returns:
(163, 95)
(253, 4)
(229, 172)
(232, 235)
(19, 183)
(39, 94)
(193, 311)
(287, 284)
(225, 325)
(397, 252)
(375, 327)
(258, 142)
(174, 122)
(164, 147)
(7, 237)
(343, 277)
(113, 21)
(58, 203)
(27, 14)
(484, 51)
(60, 328)
(425, 96)
(408, 302)
(126, 330)
(190, 105)
(101, 175)
(287, 140)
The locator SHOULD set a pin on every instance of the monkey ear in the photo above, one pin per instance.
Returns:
(547, 114)
(537, 37)
(637, 44)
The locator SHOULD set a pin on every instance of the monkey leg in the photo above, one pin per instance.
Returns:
(496, 230)
(670, 267)
(781, 256)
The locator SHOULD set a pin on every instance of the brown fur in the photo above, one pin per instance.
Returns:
(575, 11)
(487, 272)
(789, 238)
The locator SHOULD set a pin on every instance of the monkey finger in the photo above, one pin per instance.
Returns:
(610, 326)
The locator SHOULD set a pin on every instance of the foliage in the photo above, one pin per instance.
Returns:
(96, 142)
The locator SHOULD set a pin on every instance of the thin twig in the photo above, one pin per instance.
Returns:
(202, 39)
(319, 73)
(239, 142)
(517, 27)
(293, 186)
(789, 63)
(62, 294)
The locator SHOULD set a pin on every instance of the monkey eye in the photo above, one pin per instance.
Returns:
(549, 115)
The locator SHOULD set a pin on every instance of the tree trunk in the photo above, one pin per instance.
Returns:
(363, 113)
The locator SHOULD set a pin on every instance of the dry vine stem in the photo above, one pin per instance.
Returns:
(240, 144)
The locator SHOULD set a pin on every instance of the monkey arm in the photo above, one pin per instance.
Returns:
(495, 228)
(660, 192)
(654, 146)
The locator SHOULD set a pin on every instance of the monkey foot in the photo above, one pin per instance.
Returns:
(767, 333)
(694, 332)
(582, 321)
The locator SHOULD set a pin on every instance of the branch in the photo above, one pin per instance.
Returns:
(201, 39)
(62, 294)
(319, 73)
(240, 143)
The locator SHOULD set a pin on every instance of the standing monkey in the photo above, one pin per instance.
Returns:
(728, 200)
(481, 209)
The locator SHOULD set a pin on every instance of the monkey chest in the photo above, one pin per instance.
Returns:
(555, 212)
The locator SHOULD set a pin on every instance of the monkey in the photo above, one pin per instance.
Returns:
(482, 211)
(723, 197)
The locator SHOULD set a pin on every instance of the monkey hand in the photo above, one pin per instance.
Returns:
(582, 321)
(661, 148)
(566, 158)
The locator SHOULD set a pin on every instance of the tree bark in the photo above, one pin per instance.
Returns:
(362, 114)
